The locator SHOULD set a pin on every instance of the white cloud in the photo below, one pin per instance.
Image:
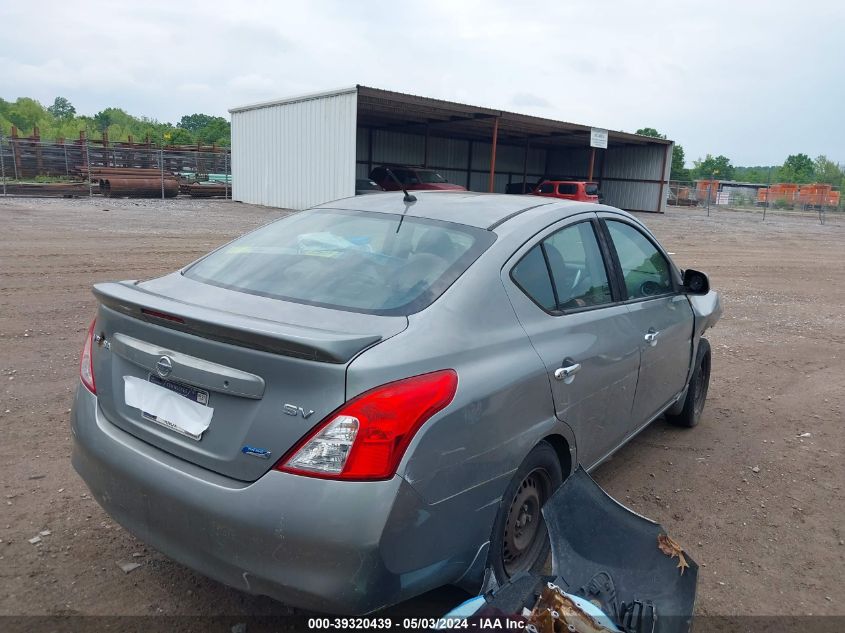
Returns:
(755, 81)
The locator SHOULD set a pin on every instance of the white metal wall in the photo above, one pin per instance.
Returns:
(296, 153)
(625, 170)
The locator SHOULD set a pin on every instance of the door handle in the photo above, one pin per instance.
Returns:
(651, 337)
(567, 372)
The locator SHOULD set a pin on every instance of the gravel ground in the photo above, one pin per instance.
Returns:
(754, 493)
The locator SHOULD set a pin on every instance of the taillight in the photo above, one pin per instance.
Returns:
(86, 360)
(366, 438)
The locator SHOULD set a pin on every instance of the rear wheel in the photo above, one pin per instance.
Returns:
(699, 383)
(520, 541)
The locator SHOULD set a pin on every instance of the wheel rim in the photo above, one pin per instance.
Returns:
(702, 381)
(525, 531)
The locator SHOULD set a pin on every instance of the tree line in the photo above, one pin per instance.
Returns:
(60, 120)
(797, 168)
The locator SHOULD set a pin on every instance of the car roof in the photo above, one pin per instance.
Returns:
(482, 210)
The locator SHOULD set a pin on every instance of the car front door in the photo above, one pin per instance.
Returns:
(571, 309)
(661, 315)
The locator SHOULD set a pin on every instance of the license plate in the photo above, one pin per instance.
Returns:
(186, 391)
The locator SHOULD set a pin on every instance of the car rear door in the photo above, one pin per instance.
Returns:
(567, 302)
(661, 315)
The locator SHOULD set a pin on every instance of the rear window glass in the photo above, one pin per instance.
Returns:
(375, 263)
(430, 176)
(567, 188)
(532, 275)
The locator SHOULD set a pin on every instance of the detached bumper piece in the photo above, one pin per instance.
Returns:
(613, 571)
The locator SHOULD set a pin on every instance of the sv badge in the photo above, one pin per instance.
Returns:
(292, 409)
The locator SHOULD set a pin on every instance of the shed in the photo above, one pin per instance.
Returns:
(305, 150)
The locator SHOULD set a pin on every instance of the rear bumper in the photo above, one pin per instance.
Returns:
(327, 546)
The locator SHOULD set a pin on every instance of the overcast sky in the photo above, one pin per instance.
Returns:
(753, 80)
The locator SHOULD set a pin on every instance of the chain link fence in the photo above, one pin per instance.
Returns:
(807, 199)
(70, 169)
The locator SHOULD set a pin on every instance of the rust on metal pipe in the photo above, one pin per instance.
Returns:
(493, 154)
(138, 187)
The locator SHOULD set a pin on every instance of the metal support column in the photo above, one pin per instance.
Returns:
(662, 177)
(2, 165)
(525, 165)
(425, 147)
(593, 162)
(469, 167)
(226, 163)
(490, 186)
(369, 151)
(88, 165)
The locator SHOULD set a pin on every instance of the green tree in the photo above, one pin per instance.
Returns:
(26, 113)
(178, 136)
(62, 109)
(717, 167)
(679, 171)
(798, 168)
(827, 171)
(759, 174)
(194, 122)
(206, 129)
(113, 116)
(650, 131)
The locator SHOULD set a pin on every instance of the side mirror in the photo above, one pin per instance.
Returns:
(695, 282)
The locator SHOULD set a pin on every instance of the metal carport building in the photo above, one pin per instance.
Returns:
(301, 151)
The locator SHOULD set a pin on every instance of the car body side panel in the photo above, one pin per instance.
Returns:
(502, 406)
(664, 367)
(461, 461)
(597, 402)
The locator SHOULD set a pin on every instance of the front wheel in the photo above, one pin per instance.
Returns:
(520, 541)
(699, 383)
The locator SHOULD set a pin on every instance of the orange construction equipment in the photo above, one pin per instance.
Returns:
(781, 191)
(815, 195)
(702, 187)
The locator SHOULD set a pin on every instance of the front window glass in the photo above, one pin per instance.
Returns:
(546, 187)
(645, 269)
(376, 263)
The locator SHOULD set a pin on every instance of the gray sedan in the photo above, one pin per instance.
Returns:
(372, 398)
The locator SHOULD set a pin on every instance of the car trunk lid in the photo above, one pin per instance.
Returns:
(267, 374)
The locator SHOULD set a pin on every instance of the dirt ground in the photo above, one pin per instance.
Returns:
(754, 493)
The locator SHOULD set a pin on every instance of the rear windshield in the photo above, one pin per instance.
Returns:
(376, 263)
(430, 176)
(591, 189)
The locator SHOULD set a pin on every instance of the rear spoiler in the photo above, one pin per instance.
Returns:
(300, 341)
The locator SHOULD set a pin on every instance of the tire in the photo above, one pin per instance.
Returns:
(519, 541)
(699, 382)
